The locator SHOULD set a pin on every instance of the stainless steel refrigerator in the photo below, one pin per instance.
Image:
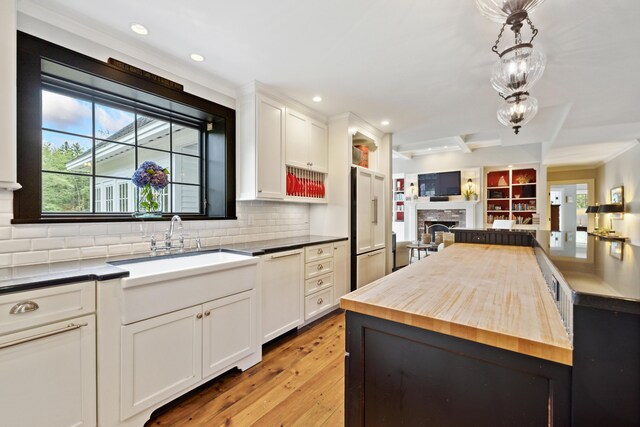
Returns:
(368, 195)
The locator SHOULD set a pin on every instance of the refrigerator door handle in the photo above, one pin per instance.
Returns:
(374, 202)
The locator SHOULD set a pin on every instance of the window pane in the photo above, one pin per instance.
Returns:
(65, 193)
(64, 113)
(186, 198)
(115, 159)
(115, 195)
(185, 140)
(185, 169)
(114, 124)
(66, 153)
(159, 157)
(153, 133)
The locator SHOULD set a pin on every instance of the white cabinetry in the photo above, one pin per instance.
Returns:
(370, 267)
(340, 270)
(260, 148)
(318, 279)
(370, 219)
(282, 282)
(165, 355)
(48, 357)
(306, 142)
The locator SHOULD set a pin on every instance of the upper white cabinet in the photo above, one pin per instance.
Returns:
(281, 152)
(306, 142)
(260, 148)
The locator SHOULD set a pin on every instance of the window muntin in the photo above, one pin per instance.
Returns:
(119, 138)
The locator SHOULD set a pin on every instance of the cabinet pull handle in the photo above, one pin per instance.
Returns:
(320, 267)
(260, 190)
(207, 313)
(69, 327)
(320, 282)
(320, 301)
(24, 307)
(199, 316)
(374, 201)
(320, 251)
(285, 255)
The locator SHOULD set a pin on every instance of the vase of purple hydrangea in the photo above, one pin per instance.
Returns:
(150, 178)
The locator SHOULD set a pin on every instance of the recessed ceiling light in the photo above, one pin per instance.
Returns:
(445, 146)
(428, 149)
(384, 122)
(317, 99)
(139, 29)
(510, 166)
(197, 57)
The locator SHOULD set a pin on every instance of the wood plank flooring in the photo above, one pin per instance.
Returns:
(300, 382)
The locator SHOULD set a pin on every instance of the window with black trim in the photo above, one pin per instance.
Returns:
(85, 126)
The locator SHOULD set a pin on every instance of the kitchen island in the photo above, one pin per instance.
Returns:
(487, 334)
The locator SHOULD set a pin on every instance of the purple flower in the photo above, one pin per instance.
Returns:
(149, 173)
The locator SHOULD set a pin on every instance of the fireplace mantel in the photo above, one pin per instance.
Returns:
(412, 207)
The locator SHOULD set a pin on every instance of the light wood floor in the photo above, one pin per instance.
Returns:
(300, 382)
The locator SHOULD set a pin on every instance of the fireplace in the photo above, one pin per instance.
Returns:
(433, 230)
(447, 217)
(461, 214)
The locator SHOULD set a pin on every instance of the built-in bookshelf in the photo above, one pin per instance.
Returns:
(398, 199)
(512, 194)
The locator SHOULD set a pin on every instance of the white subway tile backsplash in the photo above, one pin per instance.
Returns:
(64, 254)
(33, 257)
(46, 244)
(12, 246)
(80, 242)
(36, 243)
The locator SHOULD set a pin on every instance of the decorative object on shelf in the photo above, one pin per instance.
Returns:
(524, 178)
(469, 191)
(519, 66)
(502, 182)
(413, 191)
(151, 179)
(363, 156)
(305, 183)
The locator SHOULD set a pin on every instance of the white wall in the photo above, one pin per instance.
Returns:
(622, 170)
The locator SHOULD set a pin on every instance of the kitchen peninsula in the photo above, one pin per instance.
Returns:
(484, 334)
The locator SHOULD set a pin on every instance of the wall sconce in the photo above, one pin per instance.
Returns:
(413, 191)
(617, 209)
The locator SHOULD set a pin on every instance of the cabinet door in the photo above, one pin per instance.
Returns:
(378, 221)
(370, 267)
(282, 293)
(297, 138)
(270, 151)
(160, 357)
(318, 146)
(364, 210)
(51, 380)
(340, 278)
(229, 331)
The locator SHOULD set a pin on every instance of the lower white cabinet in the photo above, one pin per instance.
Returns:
(282, 297)
(340, 270)
(48, 375)
(165, 355)
(371, 266)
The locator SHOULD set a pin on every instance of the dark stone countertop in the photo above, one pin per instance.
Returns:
(24, 278)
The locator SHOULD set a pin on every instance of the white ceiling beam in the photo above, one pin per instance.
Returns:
(463, 145)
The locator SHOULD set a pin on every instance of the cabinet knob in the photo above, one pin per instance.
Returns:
(24, 307)
(207, 313)
(320, 251)
(320, 267)
(199, 316)
(260, 190)
(320, 282)
(320, 301)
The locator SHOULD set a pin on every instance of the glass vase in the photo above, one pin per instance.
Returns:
(149, 203)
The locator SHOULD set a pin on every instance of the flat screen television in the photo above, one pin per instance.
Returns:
(439, 184)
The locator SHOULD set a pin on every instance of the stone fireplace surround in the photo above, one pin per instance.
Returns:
(417, 213)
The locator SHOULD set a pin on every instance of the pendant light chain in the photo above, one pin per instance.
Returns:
(495, 46)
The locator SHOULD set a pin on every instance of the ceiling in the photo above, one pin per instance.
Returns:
(424, 65)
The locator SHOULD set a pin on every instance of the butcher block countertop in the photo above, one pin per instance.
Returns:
(490, 294)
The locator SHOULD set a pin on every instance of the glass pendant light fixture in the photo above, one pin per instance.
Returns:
(517, 110)
(519, 66)
(501, 10)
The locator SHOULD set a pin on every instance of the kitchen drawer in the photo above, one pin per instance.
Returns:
(318, 283)
(316, 303)
(315, 253)
(41, 306)
(318, 268)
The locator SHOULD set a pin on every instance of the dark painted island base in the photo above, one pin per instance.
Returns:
(399, 375)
